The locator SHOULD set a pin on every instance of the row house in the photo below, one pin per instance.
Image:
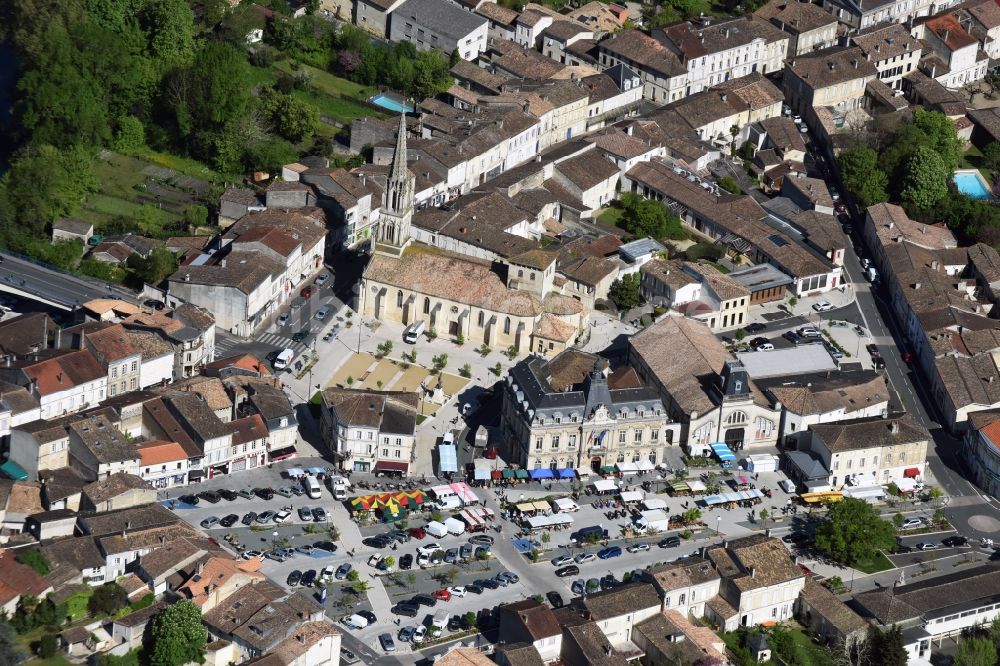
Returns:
(864, 453)
(532, 22)
(954, 56)
(703, 389)
(664, 77)
(863, 14)
(439, 25)
(809, 27)
(43, 445)
(159, 424)
(892, 49)
(835, 77)
(207, 430)
(188, 329)
(352, 200)
(371, 431)
(730, 49)
(561, 413)
(61, 381)
(163, 464)
(736, 221)
(97, 449)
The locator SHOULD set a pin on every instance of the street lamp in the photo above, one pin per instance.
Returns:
(718, 524)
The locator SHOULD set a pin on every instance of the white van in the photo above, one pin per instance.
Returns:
(355, 622)
(284, 359)
(449, 503)
(871, 274)
(311, 486)
(413, 332)
(787, 485)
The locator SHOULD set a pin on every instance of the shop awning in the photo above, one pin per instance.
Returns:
(567, 473)
(605, 485)
(543, 473)
(525, 507)
(697, 486)
(195, 474)
(283, 454)
(911, 473)
(723, 452)
(508, 474)
(391, 466)
(724, 498)
(644, 466)
(521, 474)
(906, 485)
(654, 504)
(481, 474)
(627, 468)
(464, 492)
(316, 470)
(12, 470)
(294, 472)
(496, 474)
(447, 458)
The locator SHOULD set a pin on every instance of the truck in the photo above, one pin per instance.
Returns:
(284, 359)
(338, 486)
(871, 274)
(413, 332)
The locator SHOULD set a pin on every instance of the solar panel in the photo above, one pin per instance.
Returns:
(777, 240)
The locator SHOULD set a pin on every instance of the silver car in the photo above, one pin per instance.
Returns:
(320, 315)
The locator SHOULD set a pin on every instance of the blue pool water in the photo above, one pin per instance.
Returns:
(971, 184)
(389, 103)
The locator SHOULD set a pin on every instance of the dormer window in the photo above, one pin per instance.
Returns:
(739, 386)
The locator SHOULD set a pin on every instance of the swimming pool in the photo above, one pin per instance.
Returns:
(972, 184)
(391, 103)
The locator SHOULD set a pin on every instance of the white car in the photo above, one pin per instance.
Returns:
(420, 634)
(638, 548)
(282, 516)
(808, 332)
(429, 548)
(585, 557)
(457, 591)
(423, 559)
(910, 523)
(327, 573)
(561, 560)
(374, 559)
(822, 306)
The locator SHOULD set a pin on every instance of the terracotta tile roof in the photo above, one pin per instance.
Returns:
(620, 144)
(63, 372)
(886, 42)
(833, 610)
(947, 28)
(587, 170)
(795, 17)
(391, 411)
(17, 579)
(831, 67)
(113, 486)
(684, 357)
(242, 361)
(211, 390)
(536, 617)
(451, 277)
(852, 394)
(683, 573)
(147, 538)
(550, 327)
(753, 562)
(932, 597)
(243, 271)
(134, 518)
(77, 552)
(25, 497)
(496, 13)
(638, 49)
(463, 656)
(216, 572)
(303, 638)
(247, 429)
(893, 225)
(663, 631)
(608, 604)
(110, 344)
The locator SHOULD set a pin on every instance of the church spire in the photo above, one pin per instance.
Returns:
(399, 171)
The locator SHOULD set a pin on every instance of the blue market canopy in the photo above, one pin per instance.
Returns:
(543, 473)
(722, 452)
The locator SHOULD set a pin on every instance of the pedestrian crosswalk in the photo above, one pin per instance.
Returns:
(281, 341)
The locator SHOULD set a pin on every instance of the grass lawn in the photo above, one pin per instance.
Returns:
(76, 605)
(336, 98)
(610, 216)
(804, 652)
(879, 563)
(973, 159)
(326, 82)
(719, 267)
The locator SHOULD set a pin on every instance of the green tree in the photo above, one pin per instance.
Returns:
(178, 636)
(130, 137)
(47, 614)
(862, 175)
(729, 184)
(991, 157)
(646, 217)
(976, 652)
(48, 645)
(886, 648)
(155, 268)
(691, 516)
(107, 599)
(34, 559)
(941, 136)
(196, 215)
(169, 26)
(925, 181)
(853, 531)
(625, 293)
(293, 119)
(10, 653)
(430, 74)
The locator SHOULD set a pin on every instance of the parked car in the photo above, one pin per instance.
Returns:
(227, 495)
(609, 552)
(266, 494)
(245, 493)
(954, 541)
(638, 548)
(406, 633)
(308, 578)
(209, 522)
(407, 608)
(342, 571)
(319, 514)
(562, 560)
(911, 523)
(761, 344)
(328, 546)
(294, 578)
(474, 588)
(249, 518)
(670, 542)
(442, 595)
(451, 555)
(283, 318)
(555, 599)
(305, 513)
(926, 545)
(387, 643)
(265, 517)
(189, 499)
(809, 332)
(481, 539)
(418, 635)
(429, 548)
(282, 516)
(457, 590)
(406, 562)
(822, 306)
(425, 600)
(465, 552)
(322, 279)
(509, 576)
(284, 491)
(306, 292)
(210, 496)
(583, 558)
(305, 549)
(416, 533)
(229, 520)
(322, 313)
(755, 328)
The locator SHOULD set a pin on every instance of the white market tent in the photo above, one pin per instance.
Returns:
(656, 520)
(605, 485)
(454, 526)
(654, 504)
(541, 522)
(630, 496)
(761, 462)
(866, 493)
(906, 485)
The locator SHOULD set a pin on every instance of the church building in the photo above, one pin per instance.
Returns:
(502, 305)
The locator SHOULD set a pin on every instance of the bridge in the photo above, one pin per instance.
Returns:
(30, 279)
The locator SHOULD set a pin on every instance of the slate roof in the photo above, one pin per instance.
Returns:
(693, 41)
(133, 518)
(587, 170)
(869, 433)
(536, 617)
(932, 597)
(833, 610)
(638, 49)
(833, 66)
(243, 271)
(440, 16)
(104, 441)
(77, 552)
(114, 485)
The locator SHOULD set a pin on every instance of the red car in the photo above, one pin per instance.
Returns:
(805, 569)
(491, 453)
(907, 357)
(306, 292)
(442, 595)
(416, 533)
